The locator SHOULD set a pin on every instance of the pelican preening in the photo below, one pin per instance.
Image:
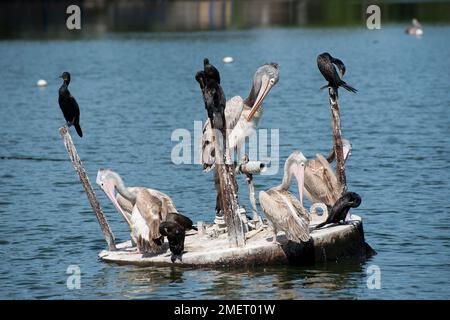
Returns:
(321, 184)
(69, 105)
(282, 208)
(142, 208)
(325, 63)
(341, 208)
(241, 116)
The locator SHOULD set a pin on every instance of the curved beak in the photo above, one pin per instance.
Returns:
(299, 173)
(109, 189)
(265, 88)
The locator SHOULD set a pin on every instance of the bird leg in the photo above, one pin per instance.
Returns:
(274, 240)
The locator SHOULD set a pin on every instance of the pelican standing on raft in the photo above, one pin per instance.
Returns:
(282, 208)
(142, 208)
(241, 116)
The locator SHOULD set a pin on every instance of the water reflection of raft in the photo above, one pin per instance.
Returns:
(328, 244)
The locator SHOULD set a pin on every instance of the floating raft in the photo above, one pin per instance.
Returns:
(330, 243)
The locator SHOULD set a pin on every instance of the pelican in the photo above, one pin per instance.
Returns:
(241, 116)
(321, 184)
(142, 208)
(282, 208)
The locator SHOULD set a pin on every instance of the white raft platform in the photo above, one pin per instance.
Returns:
(331, 243)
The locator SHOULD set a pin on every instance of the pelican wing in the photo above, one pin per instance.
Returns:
(168, 205)
(148, 208)
(233, 112)
(286, 214)
(321, 184)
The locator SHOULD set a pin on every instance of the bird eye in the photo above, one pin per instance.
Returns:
(272, 81)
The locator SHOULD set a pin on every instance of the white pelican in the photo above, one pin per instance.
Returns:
(282, 208)
(142, 208)
(241, 116)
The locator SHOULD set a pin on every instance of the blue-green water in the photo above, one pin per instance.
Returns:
(135, 89)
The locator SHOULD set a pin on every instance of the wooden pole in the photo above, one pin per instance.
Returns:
(228, 191)
(337, 138)
(72, 151)
(227, 188)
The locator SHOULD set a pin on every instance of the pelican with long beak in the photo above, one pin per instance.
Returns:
(282, 208)
(241, 116)
(143, 209)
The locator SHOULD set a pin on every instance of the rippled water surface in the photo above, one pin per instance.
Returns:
(135, 89)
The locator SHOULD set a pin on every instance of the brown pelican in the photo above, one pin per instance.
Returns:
(415, 28)
(282, 208)
(241, 116)
(142, 208)
(321, 184)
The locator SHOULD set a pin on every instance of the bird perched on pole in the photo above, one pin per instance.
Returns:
(326, 63)
(69, 105)
(213, 96)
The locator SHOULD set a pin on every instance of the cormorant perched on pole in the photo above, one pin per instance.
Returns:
(215, 103)
(213, 97)
(325, 63)
(340, 209)
(69, 105)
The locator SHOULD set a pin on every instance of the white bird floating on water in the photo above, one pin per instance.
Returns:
(228, 60)
(41, 83)
(415, 29)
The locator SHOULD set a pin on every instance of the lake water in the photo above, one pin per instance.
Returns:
(134, 90)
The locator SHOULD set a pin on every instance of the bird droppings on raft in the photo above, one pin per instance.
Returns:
(331, 243)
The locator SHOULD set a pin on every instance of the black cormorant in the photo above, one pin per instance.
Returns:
(175, 233)
(69, 105)
(340, 209)
(211, 71)
(325, 63)
(182, 220)
(214, 99)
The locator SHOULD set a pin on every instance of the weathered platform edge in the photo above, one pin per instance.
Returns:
(328, 244)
